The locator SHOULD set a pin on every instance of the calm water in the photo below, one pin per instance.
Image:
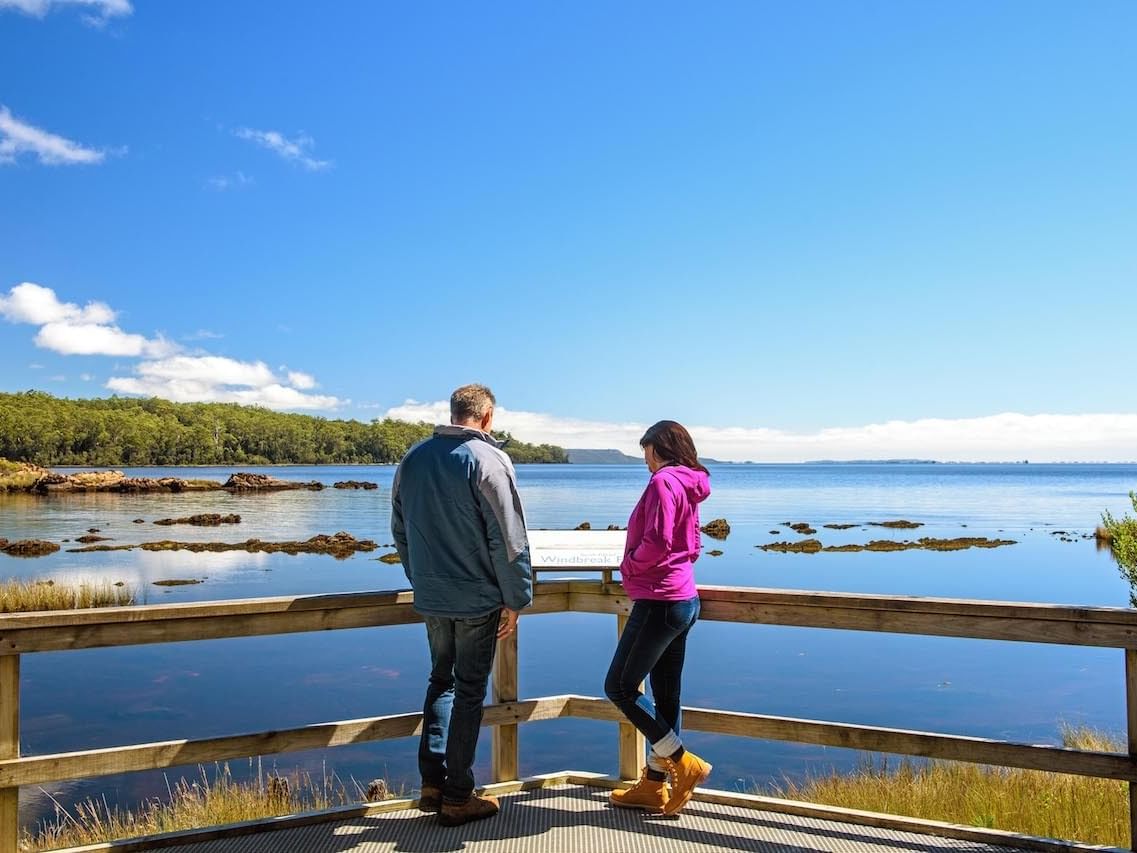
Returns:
(105, 697)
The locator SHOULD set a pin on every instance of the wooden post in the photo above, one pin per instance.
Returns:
(9, 748)
(1131, 727)
(504, 763)
(633, 746)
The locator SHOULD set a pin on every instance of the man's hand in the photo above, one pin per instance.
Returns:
(508, 623)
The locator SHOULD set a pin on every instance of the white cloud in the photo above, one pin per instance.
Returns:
(217, 379)
(18, 137)
(86, 377)
(94, 339)
(1002, 437)
(38, 305)
(103, 9)
(294, 150)
(301, 380)
(237, 180)
(69, 329)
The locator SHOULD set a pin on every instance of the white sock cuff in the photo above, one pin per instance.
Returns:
(669, 744)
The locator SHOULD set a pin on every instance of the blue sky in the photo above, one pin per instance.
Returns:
(778, 218)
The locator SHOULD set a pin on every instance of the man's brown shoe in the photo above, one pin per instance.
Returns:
(430, 799)
(475, 808)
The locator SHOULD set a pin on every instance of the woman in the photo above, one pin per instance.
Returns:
(658, 575)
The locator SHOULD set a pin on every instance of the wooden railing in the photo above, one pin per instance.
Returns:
(1036, 623)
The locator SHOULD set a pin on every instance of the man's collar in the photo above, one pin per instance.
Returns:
(456, 431)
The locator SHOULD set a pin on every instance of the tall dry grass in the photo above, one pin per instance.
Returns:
(20, 596)
(1076, 808)
(208, 800)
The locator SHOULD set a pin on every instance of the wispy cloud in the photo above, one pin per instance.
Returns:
(163, 370)
(18, 137)
(221, 183)
(100, 11)
(294, 150)
(202, 335)
(1002, 437)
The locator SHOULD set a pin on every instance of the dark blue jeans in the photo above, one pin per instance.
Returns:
(654, 643)
(461, 658)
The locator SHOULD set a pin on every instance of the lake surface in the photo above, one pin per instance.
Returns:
(106, 697)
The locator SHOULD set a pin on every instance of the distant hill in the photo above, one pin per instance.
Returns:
(600, 457)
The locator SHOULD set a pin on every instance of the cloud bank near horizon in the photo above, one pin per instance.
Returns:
(1005, 437)
(165, 370)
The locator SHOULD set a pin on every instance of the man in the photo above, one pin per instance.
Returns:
(460, 532)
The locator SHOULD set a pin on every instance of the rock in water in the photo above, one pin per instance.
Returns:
(719, 528)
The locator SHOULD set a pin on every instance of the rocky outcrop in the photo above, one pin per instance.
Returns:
(813, 546)
(205, 519)
(339, 545)
(29, 548)
(244, 482)
(355, 484)
(719, 528)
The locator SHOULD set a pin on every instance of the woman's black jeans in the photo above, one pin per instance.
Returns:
(654, 643)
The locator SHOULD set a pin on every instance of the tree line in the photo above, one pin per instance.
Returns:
(38, 427)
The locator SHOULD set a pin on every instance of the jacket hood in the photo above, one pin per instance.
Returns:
(697, 484)
(455, 431)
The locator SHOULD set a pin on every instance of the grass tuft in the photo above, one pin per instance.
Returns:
(23, 596)
(1052, 805)
(208, 800)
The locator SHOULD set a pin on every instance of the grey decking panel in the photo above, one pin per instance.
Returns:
(573, 818)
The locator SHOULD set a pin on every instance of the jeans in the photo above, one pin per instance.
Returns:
(461, 658)
(654, 642)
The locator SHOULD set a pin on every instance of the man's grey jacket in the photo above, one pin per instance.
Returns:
(459, 526)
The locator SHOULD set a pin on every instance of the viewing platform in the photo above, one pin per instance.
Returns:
(566, 810)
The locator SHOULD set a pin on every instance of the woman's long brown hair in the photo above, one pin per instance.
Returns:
(673, 445)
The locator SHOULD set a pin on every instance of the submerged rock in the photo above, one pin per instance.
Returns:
(718, 528)
(900, 524)
(812, 546)
(391, 559)
(339, 545)
(29, 548)
(178, 582)
(802, 527)
(205, 519)
(244, 482)
(355, 484)
(839, 526)
(805, 546)
(91, 537)
(715, 553)
(584, 525)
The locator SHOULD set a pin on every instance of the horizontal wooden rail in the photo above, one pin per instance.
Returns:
(974, 750)
(35, 770)
(22, 633)
(1111, 627)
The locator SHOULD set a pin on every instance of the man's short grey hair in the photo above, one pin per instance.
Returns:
(470, 403)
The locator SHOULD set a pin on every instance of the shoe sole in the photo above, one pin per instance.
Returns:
(648, 809)
(432, 808)
(682, 800)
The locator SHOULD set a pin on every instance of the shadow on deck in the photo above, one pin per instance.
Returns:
(571, 817)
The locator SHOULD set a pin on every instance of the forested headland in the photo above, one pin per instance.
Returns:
(46, 430)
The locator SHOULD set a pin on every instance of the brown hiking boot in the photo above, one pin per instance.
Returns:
(686, 773)
(430, 799)
(646, 794)
(475, 808)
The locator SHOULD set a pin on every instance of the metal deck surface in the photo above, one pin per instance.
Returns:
(570, 818)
